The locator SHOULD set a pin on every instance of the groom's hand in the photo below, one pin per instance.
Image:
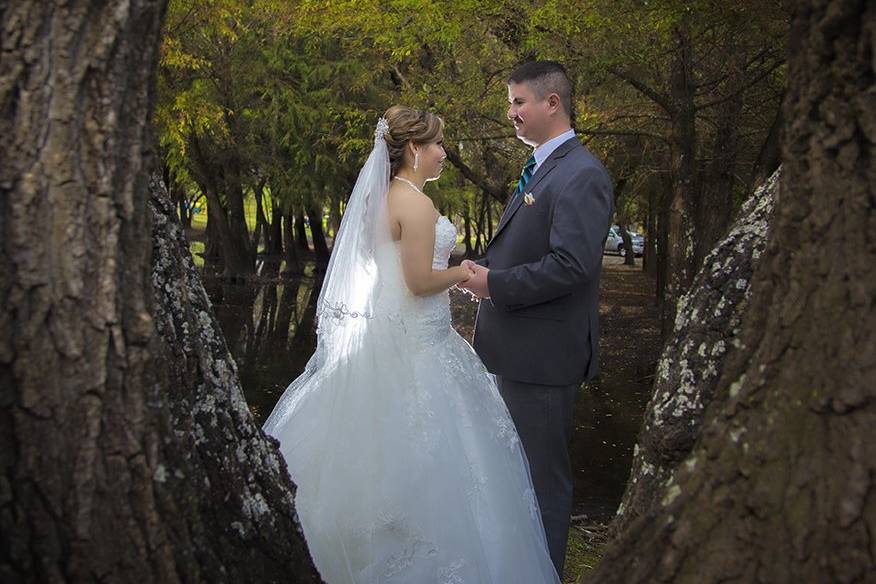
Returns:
(477, 284)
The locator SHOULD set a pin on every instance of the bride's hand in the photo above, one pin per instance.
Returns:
(467, 272)
(470, 266)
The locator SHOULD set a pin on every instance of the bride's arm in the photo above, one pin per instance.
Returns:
(417, 219)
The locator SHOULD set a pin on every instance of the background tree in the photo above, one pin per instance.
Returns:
(125, 455)
(700, 81)
(688, 90)
(779, 487)
(706, 332)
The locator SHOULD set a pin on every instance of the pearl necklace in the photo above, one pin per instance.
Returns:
(413, 186)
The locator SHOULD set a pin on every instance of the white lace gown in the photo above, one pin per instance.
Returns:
(408, 466)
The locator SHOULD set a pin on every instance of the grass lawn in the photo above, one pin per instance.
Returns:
(199, 220)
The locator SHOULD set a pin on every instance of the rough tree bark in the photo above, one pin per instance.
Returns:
(780, 486)
(706, 329)
(232, 495)
(107, 473)
(77, 500)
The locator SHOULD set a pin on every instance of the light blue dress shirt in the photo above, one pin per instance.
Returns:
(545, 150)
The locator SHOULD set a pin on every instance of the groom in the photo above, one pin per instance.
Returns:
(537, 327)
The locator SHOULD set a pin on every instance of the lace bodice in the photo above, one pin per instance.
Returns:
(445, 242)
(426, 319)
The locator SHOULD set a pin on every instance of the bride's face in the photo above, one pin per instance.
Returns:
(432, 157)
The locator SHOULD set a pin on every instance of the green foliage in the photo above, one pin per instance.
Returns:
(294, 87)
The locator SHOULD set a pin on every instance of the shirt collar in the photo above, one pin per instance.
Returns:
(545, 150)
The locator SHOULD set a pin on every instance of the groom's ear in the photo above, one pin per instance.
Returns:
(554, 103)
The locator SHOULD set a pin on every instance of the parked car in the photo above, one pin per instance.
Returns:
(615, 243)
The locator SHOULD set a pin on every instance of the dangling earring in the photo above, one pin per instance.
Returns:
(416, 160)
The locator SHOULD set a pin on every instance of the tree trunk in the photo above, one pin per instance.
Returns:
(770, 153)
(665, 199)
(334, 215)
(294, 266)
(466, 226)
(243, 255)
(780, 486)
(110, 472)
(214, 178)
(286, 309)
(78, 453)
(320, 247)
(212, 245)
(705, 332)
(489, 216)
(679, 228)
(649, 254)
(177, 195)
(482, 226)
(235, 261)
(301, 232)
(262, 226)
(622, 222)
(713, 209)
(233, 498)
(275, 240)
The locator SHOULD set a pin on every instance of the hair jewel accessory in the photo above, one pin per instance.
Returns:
(382, 128)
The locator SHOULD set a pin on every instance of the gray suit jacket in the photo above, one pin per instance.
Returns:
(541, 324)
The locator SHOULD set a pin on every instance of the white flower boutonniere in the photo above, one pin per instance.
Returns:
(528, 199)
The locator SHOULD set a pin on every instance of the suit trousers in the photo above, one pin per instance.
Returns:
(544, 418)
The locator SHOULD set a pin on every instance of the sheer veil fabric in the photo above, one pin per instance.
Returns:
(408, 465)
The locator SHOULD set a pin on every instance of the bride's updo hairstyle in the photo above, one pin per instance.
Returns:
(408, 125)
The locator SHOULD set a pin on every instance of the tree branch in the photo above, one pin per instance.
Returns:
(599, 132)
(751, 83)
(657, 97)
(475, 178)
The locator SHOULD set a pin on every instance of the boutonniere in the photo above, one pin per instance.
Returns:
(528, 199)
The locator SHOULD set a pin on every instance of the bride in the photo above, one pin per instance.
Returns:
(408, 466)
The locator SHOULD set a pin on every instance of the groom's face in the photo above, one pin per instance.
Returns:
(529, 114)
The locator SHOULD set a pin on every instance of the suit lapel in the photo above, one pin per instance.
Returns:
(542, 172)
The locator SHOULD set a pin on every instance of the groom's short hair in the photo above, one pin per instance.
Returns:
(545, 77)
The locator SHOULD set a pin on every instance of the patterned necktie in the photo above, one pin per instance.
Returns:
(528, 169)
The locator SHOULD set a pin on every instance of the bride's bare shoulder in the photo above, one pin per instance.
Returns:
(407, 204)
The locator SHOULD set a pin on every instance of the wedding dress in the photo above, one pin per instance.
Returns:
(408, 465)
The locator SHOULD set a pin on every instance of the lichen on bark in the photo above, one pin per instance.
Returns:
(245, 492)
(706, 326)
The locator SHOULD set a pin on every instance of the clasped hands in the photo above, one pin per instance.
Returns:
(476, 284)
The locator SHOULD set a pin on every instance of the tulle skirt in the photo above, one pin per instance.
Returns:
(408, 466)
